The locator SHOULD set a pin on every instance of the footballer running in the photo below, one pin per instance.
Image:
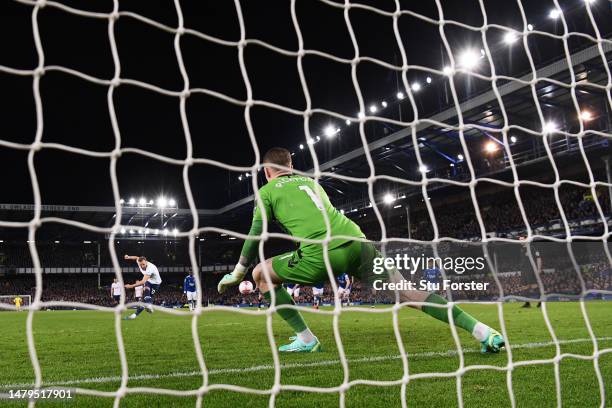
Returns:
(151, 281)
(297, 203)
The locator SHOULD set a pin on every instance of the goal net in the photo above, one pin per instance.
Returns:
(512, 105)
(10, 302)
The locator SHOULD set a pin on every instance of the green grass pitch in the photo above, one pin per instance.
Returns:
(78, 349)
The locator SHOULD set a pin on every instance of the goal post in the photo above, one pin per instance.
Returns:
(8, 301)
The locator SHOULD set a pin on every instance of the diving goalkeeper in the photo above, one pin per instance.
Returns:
(291, 201)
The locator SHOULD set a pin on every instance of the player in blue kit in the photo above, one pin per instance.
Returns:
(345, 284)
(190, 291)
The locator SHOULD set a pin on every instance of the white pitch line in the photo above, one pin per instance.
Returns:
(269, 367)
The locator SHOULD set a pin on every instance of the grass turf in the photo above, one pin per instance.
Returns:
(78, 349)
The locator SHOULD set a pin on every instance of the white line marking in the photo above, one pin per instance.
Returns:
(269, 367)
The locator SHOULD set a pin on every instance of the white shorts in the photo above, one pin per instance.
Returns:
(192, 295)
(296, 292)
(317, 291)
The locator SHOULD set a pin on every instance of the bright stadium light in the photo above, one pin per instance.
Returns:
(423, 168)
(373, 108)
(549, 127)
(428, 80)
(172, 202)
(175, 231)
(348, 122)
(469, 59)
(329, 131)
(361, 115)
(310, 141)
(416, 87)
(510, 38)
(554, 14)
(341, 211)
(384, 104)
(491, 147)
(142, 201)
(123, 230)
(301, 148)
(162, 202)
(447, 70)
(240, 177)
(131, 231)
(388, 198)
(400, 95)
(155, 231)
(151, 202)
(513, 139)
(121, 201)
(460, 157)
(132, 201)
(530, 27)
(586, 115)
(318, 139)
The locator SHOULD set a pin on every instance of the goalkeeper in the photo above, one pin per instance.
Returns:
(291, 201)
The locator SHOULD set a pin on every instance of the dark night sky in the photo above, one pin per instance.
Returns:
(76, 113)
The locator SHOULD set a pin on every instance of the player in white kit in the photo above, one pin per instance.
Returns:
(116, 291)
(151, 281)
(138, 290)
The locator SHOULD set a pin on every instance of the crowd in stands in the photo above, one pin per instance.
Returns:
(500, 213)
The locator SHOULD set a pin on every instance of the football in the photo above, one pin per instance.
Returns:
(246, 287)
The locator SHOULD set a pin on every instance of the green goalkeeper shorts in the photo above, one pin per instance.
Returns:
(354, 258)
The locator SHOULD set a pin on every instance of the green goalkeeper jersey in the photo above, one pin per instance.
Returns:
(291, 200)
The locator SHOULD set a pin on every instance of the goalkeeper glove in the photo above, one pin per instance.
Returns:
(232, 279)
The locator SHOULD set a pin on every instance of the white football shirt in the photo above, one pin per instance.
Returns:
(152, 272)
(116, 289)
(138, 291)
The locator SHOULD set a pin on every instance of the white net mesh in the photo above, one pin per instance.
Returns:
(501, 85)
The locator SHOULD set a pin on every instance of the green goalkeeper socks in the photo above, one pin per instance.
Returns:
(461, 318)
(291, 316)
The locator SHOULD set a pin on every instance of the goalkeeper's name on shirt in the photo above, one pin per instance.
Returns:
(426, 285)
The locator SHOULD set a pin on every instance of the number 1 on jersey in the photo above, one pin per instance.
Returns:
(312, 196)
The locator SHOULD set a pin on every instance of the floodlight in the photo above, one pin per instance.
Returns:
(132, 201)
(348, 122)
(469, 59)
(586, 115)
(460, 157)
(310, 141)
(400, 95)
(142, 201)
(549, 127)
(388, 198)
(151, 202)
(447, 70)
(172, 202)
(373, 108)
(384, 104)
(415, 86)
(428, 80)
(123, 230)
(491, 147)
(554, 14)
(513, 139)
(121, 201)
(240, 177)
(318, 139)
(301, 148)
(510, 38)
(530, 27)
(162, 202)
(341, 211)
(329, 131)
(165, 231)
(175, 231)
(423, 169)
